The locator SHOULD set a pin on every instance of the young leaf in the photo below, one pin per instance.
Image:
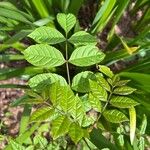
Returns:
(42, 114)
(105, 70)
(43, 55)
(123, 102)
(124, 90)
(60, 126)
(82, 79)
(103, 82)
(82, 38)
(95, 103)
(75, 132)
(132, 114)
(39, 82)
(66, 21)
(98, 91)
(114, 116)
(47, 35)
(78, 110)
(86, 56)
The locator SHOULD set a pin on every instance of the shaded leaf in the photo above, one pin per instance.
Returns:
(76, 132)
(43, 55)
(47, 35)
(80, 82)
(82, 38)
(121, 83)
(86, 56)
(114, 116)
(66, 21)
(123, 102)
(41, 81)
(143, 125)
(60, 126)
(98, 91)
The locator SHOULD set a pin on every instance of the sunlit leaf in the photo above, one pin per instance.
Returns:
(86, 56)
(43, 55)
(124, 90)
(66, 21)
(47, 35)
(123, 102)
(114, 116)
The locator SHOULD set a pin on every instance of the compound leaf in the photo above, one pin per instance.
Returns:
(43, 55)
(66, 21)
(98, 91)
(82, 79)
(114, 116)
(86, 56)
(82, 38)
(123, 102)
(60, 126)
(47, 35)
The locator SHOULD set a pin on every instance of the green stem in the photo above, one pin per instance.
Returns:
(67, 65)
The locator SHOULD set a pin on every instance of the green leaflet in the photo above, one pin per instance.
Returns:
(66, 21)
(41, 81)
(105, 70)
(41, 114)
(82, 38)
(86, 56)
(98, 91)
(124, 90)
(78, 112)
(43, 55)
(132, 114)
(47, 35)
(76, 132)
(103, 82)
(60, 126)
(114, 116)
(81, 79)
(123, 102)
(95, 103)
(121, 83)
(67, 101)
(16, 146)
(56, 93)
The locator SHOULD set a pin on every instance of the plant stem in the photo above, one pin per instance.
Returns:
(67, 65)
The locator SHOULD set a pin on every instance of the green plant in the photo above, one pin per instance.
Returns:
(92, 101)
